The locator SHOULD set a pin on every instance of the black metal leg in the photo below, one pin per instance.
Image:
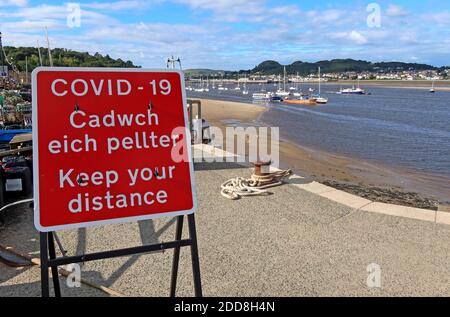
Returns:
(48, 257)
(44, 265)
(195, 259)
(52, 254)
(176, 256)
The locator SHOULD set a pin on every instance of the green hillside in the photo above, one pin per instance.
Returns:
(335, 66)
(61, 57)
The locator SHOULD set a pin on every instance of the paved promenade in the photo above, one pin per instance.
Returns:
(291, 243)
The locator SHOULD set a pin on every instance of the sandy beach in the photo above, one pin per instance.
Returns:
(368, 179)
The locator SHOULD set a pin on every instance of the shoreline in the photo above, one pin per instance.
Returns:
(363, 178)
(441, 85)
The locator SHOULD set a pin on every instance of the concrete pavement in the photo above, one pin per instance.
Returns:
(291, 243)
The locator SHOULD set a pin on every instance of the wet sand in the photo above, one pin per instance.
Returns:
(369, 179)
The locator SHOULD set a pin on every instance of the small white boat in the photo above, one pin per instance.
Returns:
(282, 93)
(265, 96)
(432, 90)
(351, 91)
(238, 87)
(245, 91)
(319, 99)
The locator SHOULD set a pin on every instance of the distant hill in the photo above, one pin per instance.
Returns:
(335, 66)
(61, 57)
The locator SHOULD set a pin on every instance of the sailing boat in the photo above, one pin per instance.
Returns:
(319, 99)
(296, 93)
(221, 87)
(200, 86)
(432, 90)
(245, 91)
(207, 85)
(295, 87)
(352, 91)
(283, 93)
(238, 87)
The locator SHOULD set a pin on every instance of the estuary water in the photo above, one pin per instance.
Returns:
(399, 127)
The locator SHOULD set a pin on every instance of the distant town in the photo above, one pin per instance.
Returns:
(335, 70)
(403, 75)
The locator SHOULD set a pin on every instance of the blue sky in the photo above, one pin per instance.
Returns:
(236, 34)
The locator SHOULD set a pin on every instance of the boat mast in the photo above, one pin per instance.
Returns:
(319, 82)
(48, 47)
(26, 69)
(284, 79)
(39, 51)
(1, 58)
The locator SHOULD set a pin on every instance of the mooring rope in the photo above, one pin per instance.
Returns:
(257, 185)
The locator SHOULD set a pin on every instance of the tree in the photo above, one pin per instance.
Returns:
(62, 57)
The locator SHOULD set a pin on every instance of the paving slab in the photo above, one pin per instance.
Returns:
(401, 211)
(347, 199)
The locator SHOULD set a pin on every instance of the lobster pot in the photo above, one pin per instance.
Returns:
(18, 181)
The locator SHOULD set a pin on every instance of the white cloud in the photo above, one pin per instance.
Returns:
(18, 3)
(352, 36)
(331, 15)
(441, 18)
(32, 26)
(230, 10)
(288, 10)
(57, 12)
(118, 5)
(394, 10)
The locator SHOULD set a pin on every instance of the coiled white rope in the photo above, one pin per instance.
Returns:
(255, 186)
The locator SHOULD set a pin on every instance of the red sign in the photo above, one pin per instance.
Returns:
(110, 146)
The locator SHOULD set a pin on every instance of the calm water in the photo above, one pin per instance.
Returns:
(397, 127)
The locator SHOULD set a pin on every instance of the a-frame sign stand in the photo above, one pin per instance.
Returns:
(49, 259)
(69, 149)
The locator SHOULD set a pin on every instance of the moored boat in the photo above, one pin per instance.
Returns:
(301, 101)
(319, 99)
(432, 90)
(265, 96)
(352, 91)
